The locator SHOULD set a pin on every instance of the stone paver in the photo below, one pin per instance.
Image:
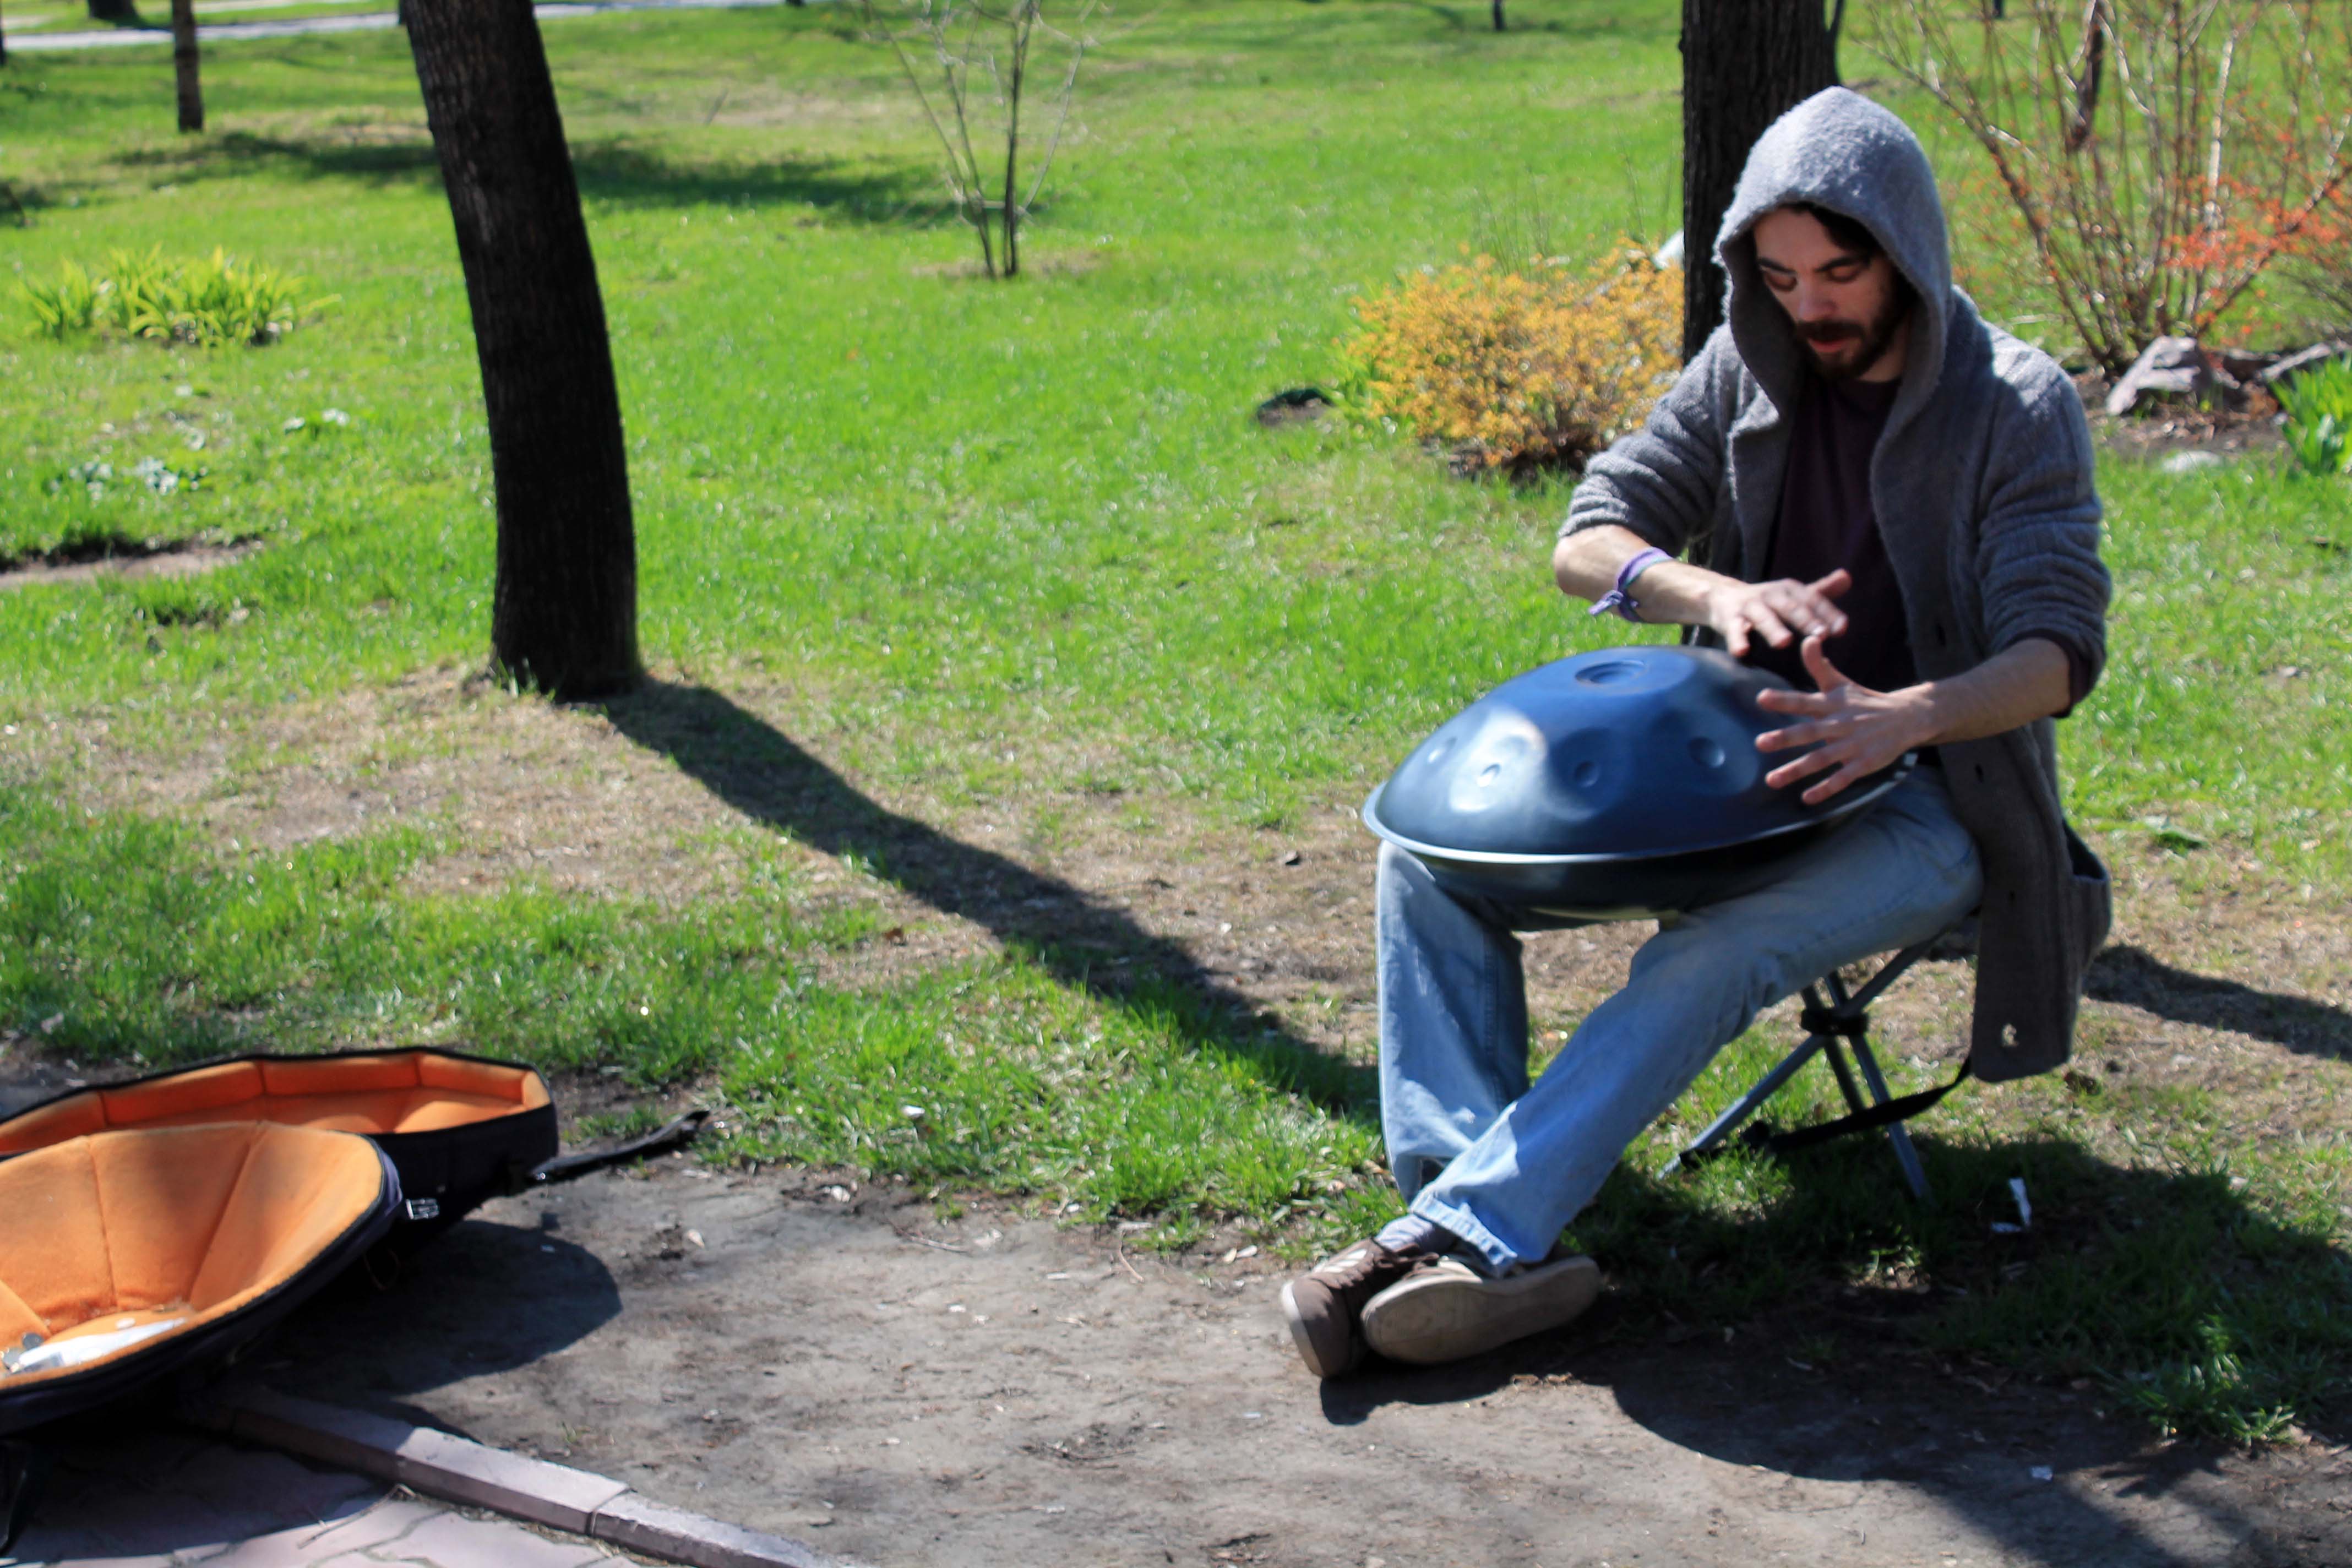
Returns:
(453, 1541)
(446, 1467)
(166, 1500)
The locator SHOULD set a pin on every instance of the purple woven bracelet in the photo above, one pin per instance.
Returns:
(1617, 599)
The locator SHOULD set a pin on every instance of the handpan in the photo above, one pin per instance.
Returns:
(1617, 784)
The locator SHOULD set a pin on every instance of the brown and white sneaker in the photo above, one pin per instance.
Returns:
(1324, 1305)
(1447, 1310)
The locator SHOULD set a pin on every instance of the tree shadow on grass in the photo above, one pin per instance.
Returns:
(615, 173)
(1081, 938)
(2139, 979)
(625, 173)
(1818, 1324)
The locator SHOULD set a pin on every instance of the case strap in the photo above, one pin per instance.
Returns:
(24, 1477)
(678, 1133)
(1761, 1137)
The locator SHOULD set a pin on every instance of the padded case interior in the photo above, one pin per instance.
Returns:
(165, 1231)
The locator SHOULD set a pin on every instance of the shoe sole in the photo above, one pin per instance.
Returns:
(1448, 1314)
(1305, 1341)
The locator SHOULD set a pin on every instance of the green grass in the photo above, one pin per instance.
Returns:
(124, 939)
(57, 18)
(1015, 540)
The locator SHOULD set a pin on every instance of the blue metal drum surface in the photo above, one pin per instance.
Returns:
(1618, 782)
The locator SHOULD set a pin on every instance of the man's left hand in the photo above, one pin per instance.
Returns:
(1850, 728)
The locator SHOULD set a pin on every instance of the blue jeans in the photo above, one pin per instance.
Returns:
(1506, 1167)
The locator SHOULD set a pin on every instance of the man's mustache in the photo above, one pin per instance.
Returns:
(1828, 331)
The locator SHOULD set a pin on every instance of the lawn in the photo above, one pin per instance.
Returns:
(1018, 553)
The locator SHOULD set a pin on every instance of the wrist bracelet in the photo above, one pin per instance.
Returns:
(1618, 599)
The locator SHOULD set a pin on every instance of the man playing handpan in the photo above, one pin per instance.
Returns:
(1862, 486)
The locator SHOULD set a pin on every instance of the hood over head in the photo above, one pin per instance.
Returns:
(1838, 150)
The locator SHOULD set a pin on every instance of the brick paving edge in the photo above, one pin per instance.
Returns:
(461, 1470)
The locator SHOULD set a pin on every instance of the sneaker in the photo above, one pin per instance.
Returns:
(1448, 1310)
(1324, 1304)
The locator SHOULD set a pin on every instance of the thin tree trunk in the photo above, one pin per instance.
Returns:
(2087, 85)
(563, 613)
(3, 45)
(1498, 15)
(1745, 64)
(183, 64)
(122, 13)
(1020, 63)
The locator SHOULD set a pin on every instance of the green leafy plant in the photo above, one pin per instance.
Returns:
(2318, 406)
(208, 302)
(66, 307)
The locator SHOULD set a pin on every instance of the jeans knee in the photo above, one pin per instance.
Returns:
(1712, 980)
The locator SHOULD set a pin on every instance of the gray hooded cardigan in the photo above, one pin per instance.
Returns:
(1982, 486)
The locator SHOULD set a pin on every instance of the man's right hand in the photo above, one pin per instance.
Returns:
(1586, 564)
(1780, 612)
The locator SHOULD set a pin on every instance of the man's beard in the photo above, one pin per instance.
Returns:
(1873, 338)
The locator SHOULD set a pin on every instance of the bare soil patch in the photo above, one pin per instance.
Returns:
(2241, 985)
(192, 559)
(2178, 426)
(831, 1363)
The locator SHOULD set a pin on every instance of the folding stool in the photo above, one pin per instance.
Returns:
(1833, 1029)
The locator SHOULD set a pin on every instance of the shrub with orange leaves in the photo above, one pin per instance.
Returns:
(1521, 371)
(2160, 155)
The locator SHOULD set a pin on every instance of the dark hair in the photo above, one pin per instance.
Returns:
(1849, 235)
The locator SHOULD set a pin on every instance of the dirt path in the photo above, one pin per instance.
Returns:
(843, 1370)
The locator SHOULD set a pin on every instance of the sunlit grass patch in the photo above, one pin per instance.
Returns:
(126, 941)
(998, 1076)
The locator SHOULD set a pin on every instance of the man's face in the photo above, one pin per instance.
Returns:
(1848, 309)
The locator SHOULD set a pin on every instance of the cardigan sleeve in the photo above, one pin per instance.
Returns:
(2038, 543)
(1662, 480)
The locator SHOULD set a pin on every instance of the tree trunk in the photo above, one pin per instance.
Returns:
(564, 615)
(3, 45)
(122, 13)
(183, 64)
(1498, 15)
(1745, 64)
(1018, 59)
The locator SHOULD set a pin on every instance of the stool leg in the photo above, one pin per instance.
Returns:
(1896, 1133)
(1723, 1126)
(1846, 1085)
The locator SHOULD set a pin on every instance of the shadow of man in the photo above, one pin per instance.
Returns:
(2138, 978)
(2011, 1377)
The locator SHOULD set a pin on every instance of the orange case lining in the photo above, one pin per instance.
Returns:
(191, 1222)
(394, 1091)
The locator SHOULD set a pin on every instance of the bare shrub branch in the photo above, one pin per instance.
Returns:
(980, 57)
(2160, 155)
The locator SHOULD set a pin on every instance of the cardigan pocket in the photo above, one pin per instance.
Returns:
(2093, 897)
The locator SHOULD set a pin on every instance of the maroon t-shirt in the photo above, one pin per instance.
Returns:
(1827, 522)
